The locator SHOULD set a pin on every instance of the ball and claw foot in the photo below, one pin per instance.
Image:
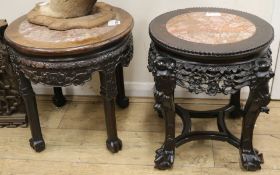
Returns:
(251, 161)
(123, 102)
(114, 146)
(38, 146)
(59, 101)
(164, 159)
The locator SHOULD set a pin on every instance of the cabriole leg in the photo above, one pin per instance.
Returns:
(257, 102)
(164, 93)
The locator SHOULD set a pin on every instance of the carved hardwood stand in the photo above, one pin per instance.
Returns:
(211, 70)
(72, 65)
(74, 72)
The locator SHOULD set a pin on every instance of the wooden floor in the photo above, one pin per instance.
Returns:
(75, 137)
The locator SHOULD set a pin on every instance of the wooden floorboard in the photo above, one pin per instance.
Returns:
(75, 137)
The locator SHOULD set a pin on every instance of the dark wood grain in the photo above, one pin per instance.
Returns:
(72, 63)
(211, 69)
(43, 48)
(210, 52)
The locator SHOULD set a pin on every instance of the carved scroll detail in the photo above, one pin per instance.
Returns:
(214, 78)
(72, 72)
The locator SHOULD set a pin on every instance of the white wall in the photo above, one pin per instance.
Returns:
(276, 22)
(139, 81)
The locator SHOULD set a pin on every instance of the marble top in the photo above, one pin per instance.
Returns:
(210, 27)
(35, 39)
(43, 34)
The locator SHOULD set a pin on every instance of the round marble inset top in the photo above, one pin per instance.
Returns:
(44, 34)
(40, 40)
(210, 27)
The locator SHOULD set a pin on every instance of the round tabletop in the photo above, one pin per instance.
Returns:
(36, 40)
(213, 33)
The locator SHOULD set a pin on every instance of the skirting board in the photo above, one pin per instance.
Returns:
(133, 89)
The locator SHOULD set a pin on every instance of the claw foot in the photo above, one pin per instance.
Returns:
(251, 160)
(164, 159)
(114, 146)
(122, 102)
(38, 146)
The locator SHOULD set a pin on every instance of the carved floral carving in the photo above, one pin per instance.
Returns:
(67, 73)
(212, 78)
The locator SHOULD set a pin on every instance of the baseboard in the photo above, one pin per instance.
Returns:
(133, 89)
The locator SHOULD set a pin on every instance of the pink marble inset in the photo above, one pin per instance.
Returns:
(44, 34)
(211, 27)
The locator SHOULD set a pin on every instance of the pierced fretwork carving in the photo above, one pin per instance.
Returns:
(211, 79)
